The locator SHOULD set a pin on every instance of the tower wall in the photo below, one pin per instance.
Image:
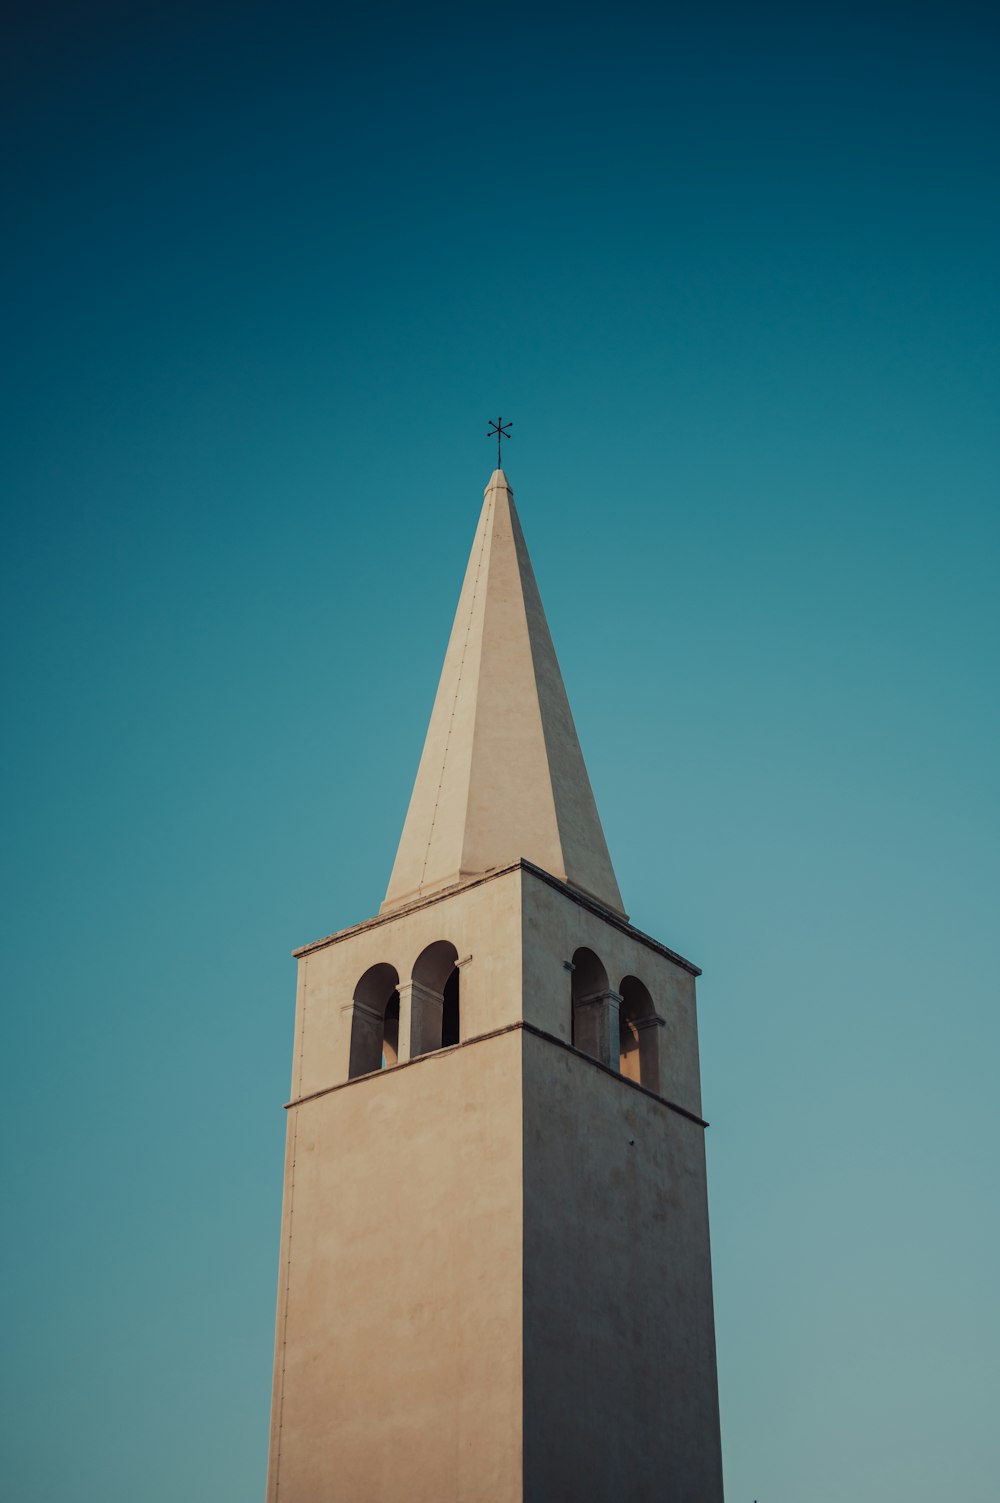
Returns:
(398, 1354)
(620, 1389)
(495, 1279)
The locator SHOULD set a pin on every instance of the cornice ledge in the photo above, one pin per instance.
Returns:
(521, 1026)
(582, 899)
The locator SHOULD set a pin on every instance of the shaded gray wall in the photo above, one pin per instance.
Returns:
(620, 1389)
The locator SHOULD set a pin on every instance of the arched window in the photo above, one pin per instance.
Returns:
(591, 1000)
(375, 1021)
(435, 1013)
(638, 1035)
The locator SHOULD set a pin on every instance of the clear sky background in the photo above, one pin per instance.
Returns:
(732, 270)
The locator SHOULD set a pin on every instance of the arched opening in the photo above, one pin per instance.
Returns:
(590, 999)
(638, 1035)
(375, 1021)
(435, 1011)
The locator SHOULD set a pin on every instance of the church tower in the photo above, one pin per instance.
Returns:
(495, 1281)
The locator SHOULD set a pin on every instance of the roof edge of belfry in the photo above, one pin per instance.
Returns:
(584, 900)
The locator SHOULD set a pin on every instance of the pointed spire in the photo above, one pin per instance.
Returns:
(502, 775)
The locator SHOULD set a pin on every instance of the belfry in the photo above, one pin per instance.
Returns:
(495, 1279)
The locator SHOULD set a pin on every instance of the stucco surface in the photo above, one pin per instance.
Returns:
(620, 1390)
(398, 1359)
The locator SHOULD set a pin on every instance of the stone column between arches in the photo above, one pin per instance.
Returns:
(364, 1027)
(420, 1010)
(595, 1025)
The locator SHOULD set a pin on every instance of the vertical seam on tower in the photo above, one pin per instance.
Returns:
(288, 1251)
(458, 686)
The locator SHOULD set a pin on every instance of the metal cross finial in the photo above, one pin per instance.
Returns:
(500, 430)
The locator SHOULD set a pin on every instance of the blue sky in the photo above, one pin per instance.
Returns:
(268, 271)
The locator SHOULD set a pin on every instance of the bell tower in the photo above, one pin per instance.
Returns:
(495, 1280)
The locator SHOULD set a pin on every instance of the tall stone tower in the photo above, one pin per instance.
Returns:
(495, 1282)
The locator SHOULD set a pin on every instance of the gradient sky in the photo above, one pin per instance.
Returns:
(733, 273)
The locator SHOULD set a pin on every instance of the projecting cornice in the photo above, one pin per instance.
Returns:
(582, 899)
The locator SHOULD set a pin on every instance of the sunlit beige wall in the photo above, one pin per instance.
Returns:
(398, 1370)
